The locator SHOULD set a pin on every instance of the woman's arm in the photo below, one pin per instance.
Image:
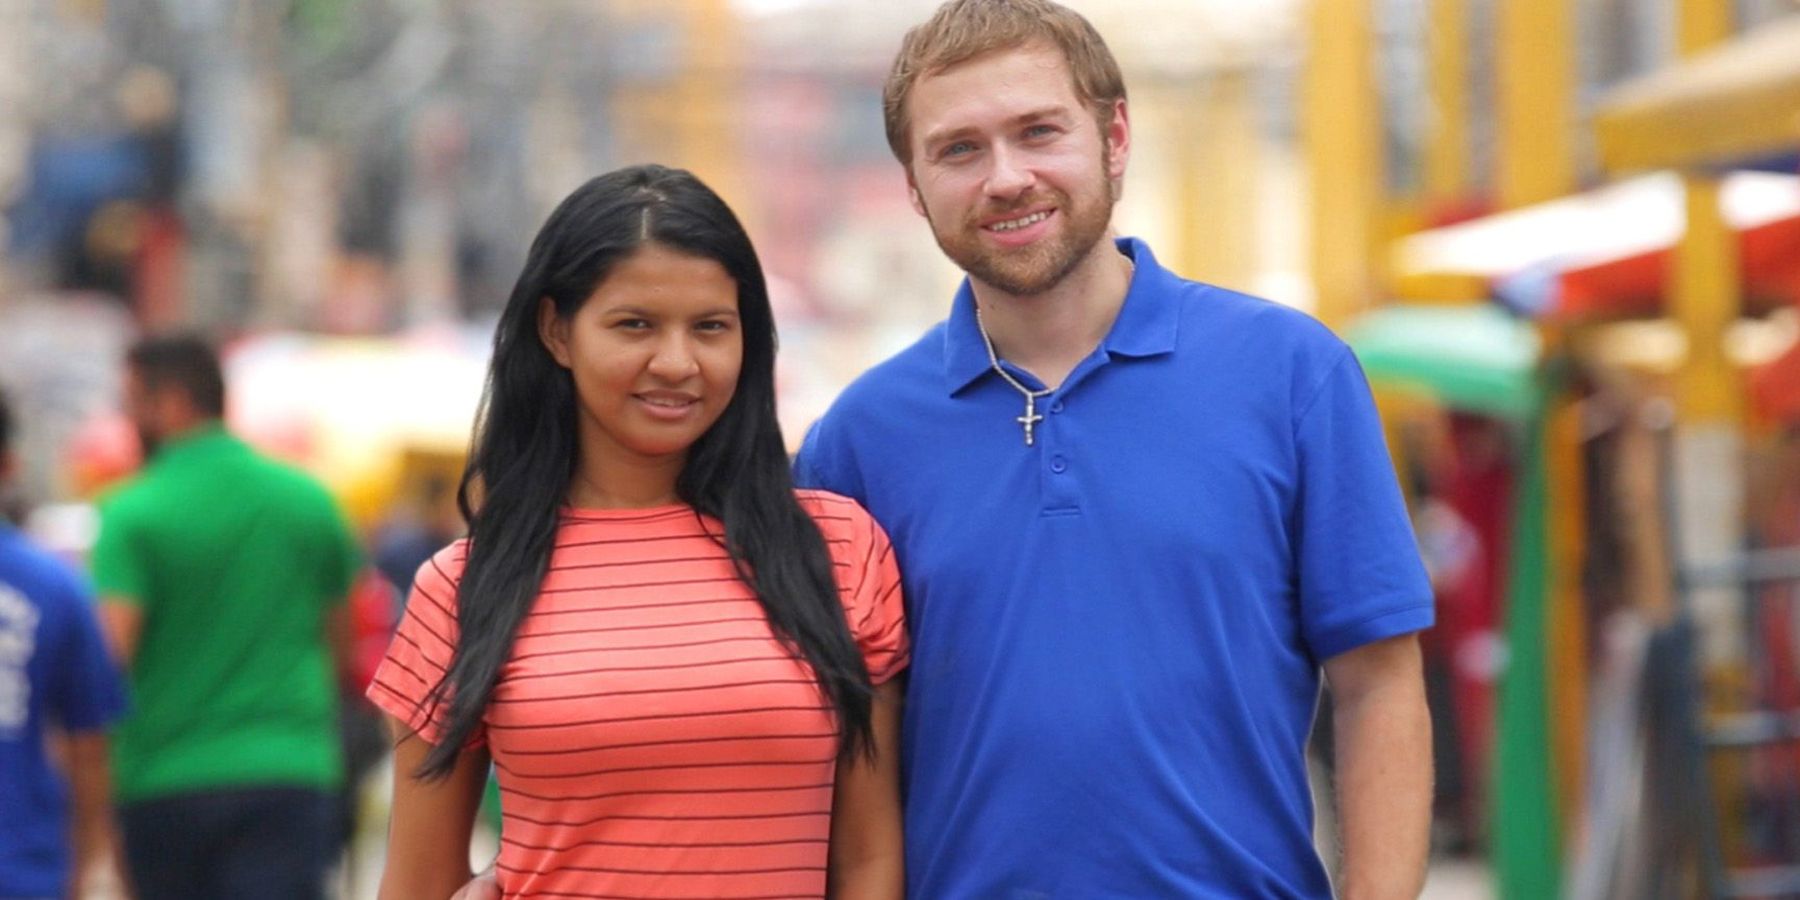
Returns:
(867, 859)
(428, 833)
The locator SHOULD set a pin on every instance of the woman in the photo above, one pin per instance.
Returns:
(678, 665)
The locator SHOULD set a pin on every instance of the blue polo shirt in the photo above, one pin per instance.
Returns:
(1117, 631)
(54, 671)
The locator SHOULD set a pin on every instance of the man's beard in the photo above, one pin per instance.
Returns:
(1027, 271)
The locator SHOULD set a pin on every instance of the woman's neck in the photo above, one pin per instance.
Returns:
(627, 486)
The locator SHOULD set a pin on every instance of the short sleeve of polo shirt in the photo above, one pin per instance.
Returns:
(868, 583)
(1360, 577)
(87, 693)
(117, 561)
(422, 647)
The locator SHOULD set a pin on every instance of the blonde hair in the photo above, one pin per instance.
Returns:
(961, 30)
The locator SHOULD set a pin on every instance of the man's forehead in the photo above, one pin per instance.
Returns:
(1002, 83)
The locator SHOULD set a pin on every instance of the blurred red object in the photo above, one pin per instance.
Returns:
(103, 451)
(372, 619)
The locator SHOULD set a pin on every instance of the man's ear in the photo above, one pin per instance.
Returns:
(1118, 141)
(553, 331)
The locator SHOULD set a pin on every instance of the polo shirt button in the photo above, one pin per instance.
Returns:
(1056, 407)
(1057, 465)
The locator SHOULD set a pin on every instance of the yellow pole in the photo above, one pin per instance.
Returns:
(1701, 24)
(710, 72)
(1447, 145)
(1217, 169)
(684, 120)
(1536, 102)
(1566, 619)
(1705, 297)
(1343, 157)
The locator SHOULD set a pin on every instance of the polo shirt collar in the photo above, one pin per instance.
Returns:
(1145, 326)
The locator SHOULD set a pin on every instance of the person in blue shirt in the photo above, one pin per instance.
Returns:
(57, 684)
(1138, 518)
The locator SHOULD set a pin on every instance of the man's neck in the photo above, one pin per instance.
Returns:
(189, 428)
(1049, 333)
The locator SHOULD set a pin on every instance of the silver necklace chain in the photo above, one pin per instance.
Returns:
(1030, 418)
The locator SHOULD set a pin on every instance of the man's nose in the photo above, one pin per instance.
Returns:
(1009, 176)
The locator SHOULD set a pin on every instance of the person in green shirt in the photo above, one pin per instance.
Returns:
(221, 575)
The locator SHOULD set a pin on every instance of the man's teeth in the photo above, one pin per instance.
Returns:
(1016, 224)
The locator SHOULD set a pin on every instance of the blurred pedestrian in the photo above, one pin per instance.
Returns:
(222, 576)
(423, 522)
(58, 688)
(679, 666)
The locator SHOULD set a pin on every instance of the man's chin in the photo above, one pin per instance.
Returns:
(1023, 277)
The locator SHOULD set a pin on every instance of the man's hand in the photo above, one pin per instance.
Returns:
(482, 887)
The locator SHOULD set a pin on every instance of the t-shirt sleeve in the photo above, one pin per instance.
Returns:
(873, 602)
(1360, 577)
(421, 650)
(89, 691)
(117, 560)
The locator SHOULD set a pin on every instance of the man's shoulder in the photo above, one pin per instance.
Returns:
(1267, 337)
(918, 367)
(135, 497)
(1220, 307)
(37, 573)
(288, 480)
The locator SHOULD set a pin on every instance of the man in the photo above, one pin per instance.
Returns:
(57, 686)
(1135, 516)
(222, 575)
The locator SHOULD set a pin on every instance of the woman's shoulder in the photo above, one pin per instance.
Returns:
(445, 567)
(826, 507)
(841, 520)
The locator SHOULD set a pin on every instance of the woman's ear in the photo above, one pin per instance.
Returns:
(553, 330)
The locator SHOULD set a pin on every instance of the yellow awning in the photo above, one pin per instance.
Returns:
(1738, 101)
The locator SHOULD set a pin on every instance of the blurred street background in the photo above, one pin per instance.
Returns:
(1562, 235)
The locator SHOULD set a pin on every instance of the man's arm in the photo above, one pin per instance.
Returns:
(1383, 762)
(121, 621)
(90, 784)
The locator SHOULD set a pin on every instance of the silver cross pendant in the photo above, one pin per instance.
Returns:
(1030, 417)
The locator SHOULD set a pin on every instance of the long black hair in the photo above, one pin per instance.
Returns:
(524, 453)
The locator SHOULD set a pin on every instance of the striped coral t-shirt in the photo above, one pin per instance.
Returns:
(651, 737)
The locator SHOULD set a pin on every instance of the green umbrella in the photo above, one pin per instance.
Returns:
(1472, 358)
